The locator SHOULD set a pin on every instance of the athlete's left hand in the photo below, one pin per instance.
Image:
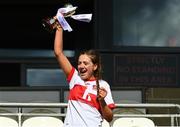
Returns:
(102, 93)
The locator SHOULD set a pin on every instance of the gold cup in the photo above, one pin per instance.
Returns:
(50, 24)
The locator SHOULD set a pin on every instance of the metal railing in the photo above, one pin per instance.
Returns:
(174, 117)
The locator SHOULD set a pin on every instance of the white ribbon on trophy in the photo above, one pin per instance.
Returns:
(68, 12)
(63, 22)
(82, 17)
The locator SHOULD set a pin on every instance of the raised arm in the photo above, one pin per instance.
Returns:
(58, 51)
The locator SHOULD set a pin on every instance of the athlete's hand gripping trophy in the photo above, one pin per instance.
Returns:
(59, 20)
(52, 23)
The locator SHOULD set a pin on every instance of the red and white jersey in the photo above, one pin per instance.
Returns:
(83, 108)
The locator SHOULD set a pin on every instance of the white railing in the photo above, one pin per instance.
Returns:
(174, 117)
(20, 114)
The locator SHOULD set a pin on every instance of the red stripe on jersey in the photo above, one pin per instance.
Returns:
(111, 106)
(77, 92)
(71, 74)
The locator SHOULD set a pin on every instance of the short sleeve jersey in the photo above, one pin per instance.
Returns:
(83, 108)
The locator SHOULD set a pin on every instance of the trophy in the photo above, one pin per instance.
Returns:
(59, 20)
(52, 23)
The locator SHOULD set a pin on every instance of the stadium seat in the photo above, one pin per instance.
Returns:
(42, 121)
(133, 122)
(8, 122)
(105, 123)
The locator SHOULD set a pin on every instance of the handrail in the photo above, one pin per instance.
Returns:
(145, 105)
(21, 106)
(151, 105)
(55, 105)
(140, 105)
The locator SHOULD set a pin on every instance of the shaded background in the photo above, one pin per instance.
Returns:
(21, 26)
(126, 27)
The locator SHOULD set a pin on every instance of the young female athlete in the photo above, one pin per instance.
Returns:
(90, 100)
